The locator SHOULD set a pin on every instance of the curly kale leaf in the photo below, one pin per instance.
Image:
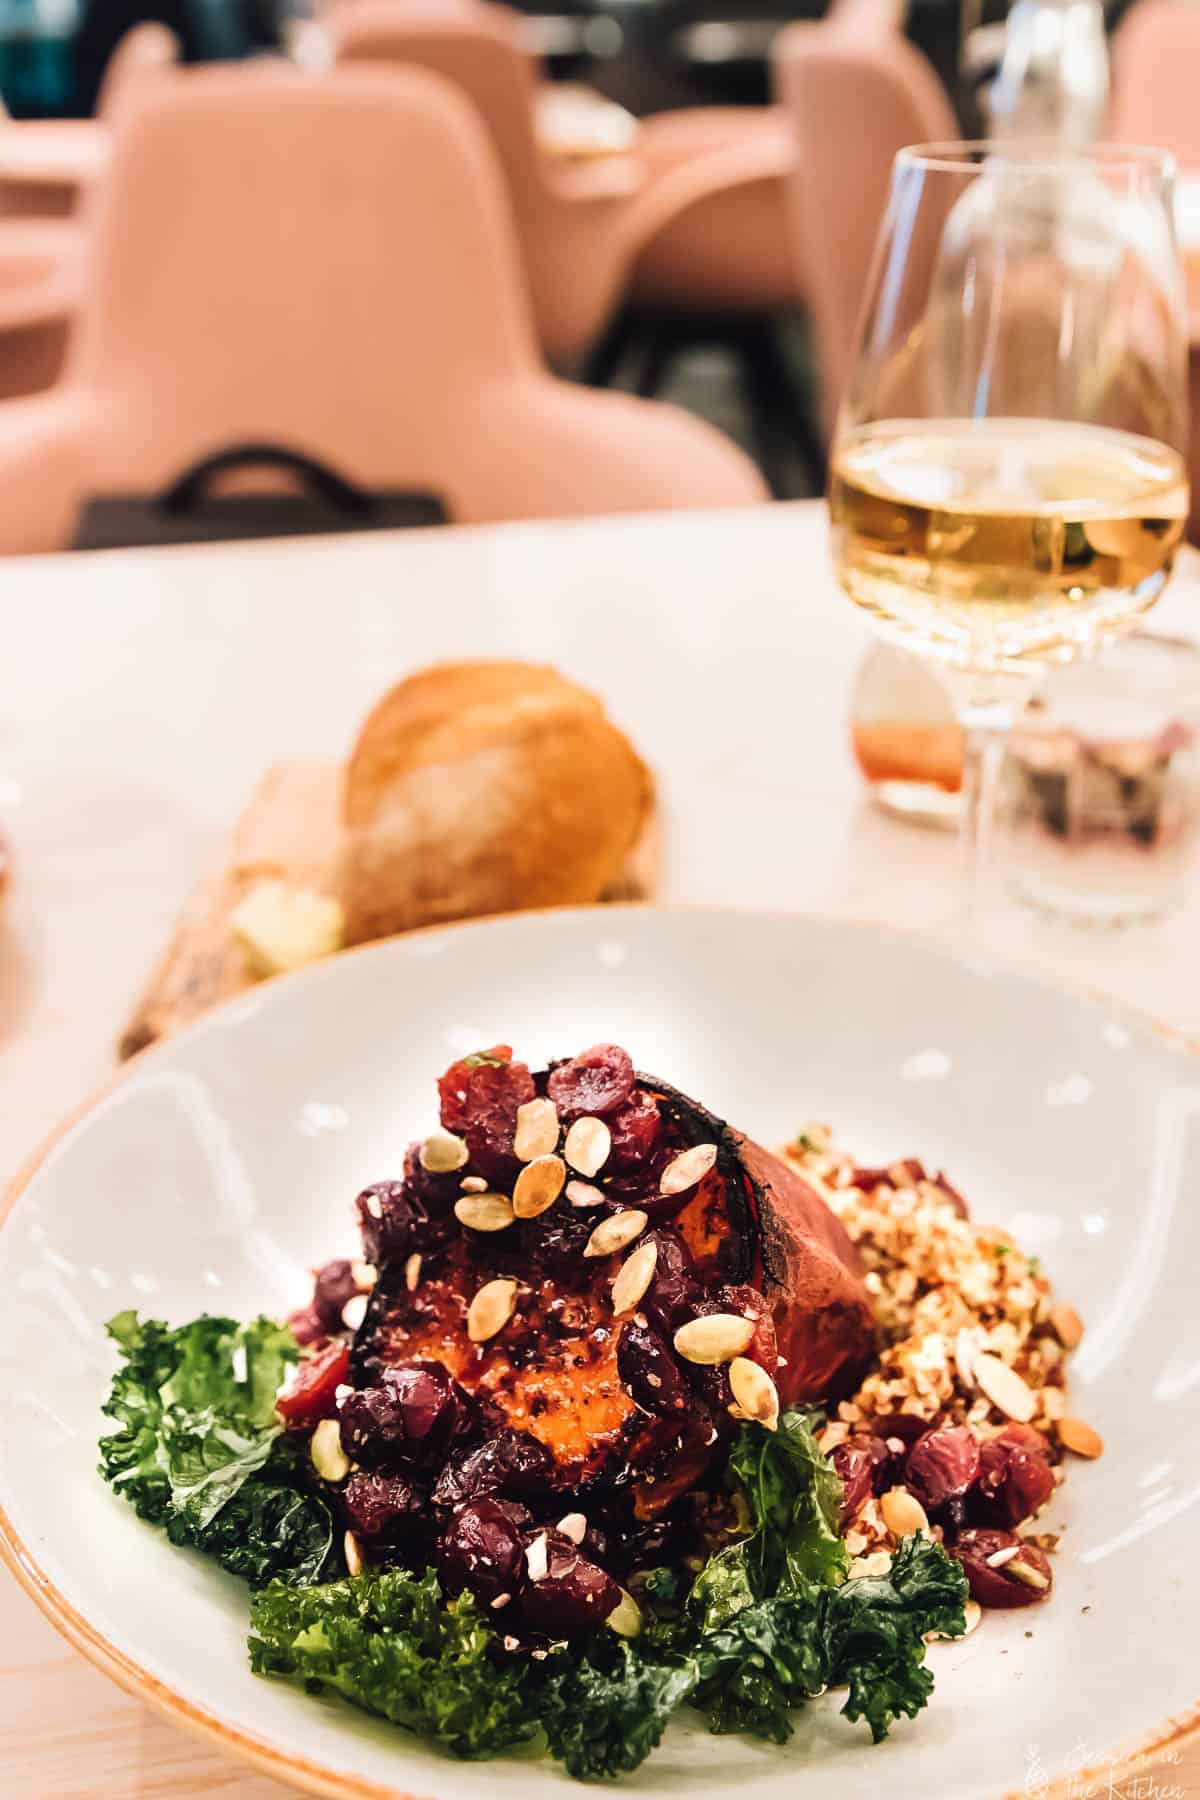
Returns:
(390, 1644)
(200, 1451)
(605, 1709)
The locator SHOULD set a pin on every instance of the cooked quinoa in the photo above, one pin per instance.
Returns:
(969, 1331)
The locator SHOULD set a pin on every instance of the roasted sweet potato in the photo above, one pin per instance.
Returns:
(610, 1398)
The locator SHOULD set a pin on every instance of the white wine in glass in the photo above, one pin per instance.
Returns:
(1007, 484)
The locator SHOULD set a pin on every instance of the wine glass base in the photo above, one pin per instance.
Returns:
(919, 803)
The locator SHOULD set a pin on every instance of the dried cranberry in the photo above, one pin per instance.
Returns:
(1015, 1481)
(907, 1427)
(482, 1549)
(311, 1393)
(673, 1296)
(648, 1370)
(480, 1100)
(596, 1082)
(867, 1180)
(306, 1327)
(573, 1594)
(413, 1416)
(435, 1190)
(454, 1087)
(381, 1507)
(391, 1219)
(952, 1194)
(553, 1243)
(763, 1347)
(859, 1461)
(1000, 1587)
(511, 1464)
(334, 1285)
(943, 1464)
(636, 1129)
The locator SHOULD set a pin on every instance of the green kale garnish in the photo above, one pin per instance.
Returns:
(391, 1644)
(201, 1452)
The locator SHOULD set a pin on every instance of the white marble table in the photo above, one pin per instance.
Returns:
(141, 693)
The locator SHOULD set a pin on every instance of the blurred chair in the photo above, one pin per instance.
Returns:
(48, 165)
(343, 283)
(572, 221)
(717, 263)
(144, 55)
(854, 102)
(1155, 71)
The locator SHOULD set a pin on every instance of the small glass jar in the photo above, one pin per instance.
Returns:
(906, 739)
(1100, 799)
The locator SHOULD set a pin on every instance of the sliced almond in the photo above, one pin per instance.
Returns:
(1066, 1325)
(473, 1184)
(491, 1309)
(902, 1512)
(1074, 1435)
(374, 1206)
(972, 1614)
(998, 1558)
(1029, 1575)
(717, 1338)
(364, 1273)
(616, 1232)
(582, 1193)
(442, 1153)
(537, 1130)
(412, 1272)
(352, 1550)
(1004, 1387)
(574, 1526)
(966, 1349)
(484, 1212)
(634, 1277)
(588, 1144)
(687, 1169)
(354, 1311)
(756, 1395)
(626, 1616)
(326, 1453)
(538, 1186)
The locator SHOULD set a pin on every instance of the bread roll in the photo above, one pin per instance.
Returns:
(485, 787)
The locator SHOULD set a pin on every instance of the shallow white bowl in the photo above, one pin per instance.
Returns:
(223, 1165)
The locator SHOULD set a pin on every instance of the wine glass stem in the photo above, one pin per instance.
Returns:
(985, 726)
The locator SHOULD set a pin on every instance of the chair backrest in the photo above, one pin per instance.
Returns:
(322, 262)
(1155, 66)
(854, 102)
(476, 47)
(141, 59)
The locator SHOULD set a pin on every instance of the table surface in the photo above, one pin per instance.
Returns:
(142, 693)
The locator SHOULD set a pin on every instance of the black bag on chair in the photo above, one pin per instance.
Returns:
(188, 513)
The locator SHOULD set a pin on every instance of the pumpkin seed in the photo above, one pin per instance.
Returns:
(484, 1212)
(902, 1512)
(442, 1153)
(588, 1144)
(616, 1232)
(538, 1186)
(687, 1169)
(626, 1616)
(537, 1130)
(634, 1277)
(756, 1395)
(325, 1450)
(491, 1309)
(717, 1338)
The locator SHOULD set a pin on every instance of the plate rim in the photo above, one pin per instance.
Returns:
(322, 1778)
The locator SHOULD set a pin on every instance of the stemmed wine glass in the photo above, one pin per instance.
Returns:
(1007, 480)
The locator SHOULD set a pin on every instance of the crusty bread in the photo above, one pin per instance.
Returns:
(485, 787)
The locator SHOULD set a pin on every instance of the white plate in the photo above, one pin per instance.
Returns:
(224, 1164)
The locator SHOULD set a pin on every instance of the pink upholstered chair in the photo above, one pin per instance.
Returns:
(1156, 67)
(144, 55)
(343, 282)
(854, 102)
(572, 221)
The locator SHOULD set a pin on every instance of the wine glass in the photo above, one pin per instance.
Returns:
(1007, 483)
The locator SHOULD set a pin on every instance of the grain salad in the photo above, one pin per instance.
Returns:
(972, 1344)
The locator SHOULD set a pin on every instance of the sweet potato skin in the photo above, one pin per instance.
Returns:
(812, 1275)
